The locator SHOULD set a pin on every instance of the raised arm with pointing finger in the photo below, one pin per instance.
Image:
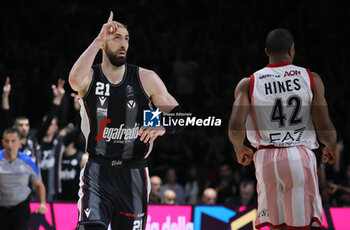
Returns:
(114, 96)
(81, 73)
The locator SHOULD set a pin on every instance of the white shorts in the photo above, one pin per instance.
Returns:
(287, 188)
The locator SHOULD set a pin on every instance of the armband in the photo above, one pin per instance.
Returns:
(179, 114)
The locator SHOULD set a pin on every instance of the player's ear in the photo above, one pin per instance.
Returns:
(266, 52)
(291, 51)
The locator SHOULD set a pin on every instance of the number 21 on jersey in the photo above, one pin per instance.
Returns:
(102, 89)
(137, 225)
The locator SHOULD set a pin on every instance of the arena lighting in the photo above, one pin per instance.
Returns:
(62, 216)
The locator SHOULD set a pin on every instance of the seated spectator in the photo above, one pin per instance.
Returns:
(169, 197)
(209, 196)
(192, 187)
(341, 190)
(246, 194)
(226, 186)
(344, 195)
(156, 184)
(171, 184)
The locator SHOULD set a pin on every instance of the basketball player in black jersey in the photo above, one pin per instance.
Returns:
(114, 184)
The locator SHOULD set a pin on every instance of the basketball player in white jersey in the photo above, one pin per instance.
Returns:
(281, 108)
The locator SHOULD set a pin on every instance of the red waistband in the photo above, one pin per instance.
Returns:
(272, 147)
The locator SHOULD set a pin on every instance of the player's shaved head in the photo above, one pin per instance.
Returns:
(279, 41)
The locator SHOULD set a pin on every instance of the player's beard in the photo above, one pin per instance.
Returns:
(113, 57)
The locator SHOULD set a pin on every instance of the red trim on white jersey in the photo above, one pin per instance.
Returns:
(278, 64)
(270, 84)
(251, 86)
(311, 80)
(255, 122)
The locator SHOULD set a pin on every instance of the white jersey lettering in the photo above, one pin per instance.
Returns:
(280, 114)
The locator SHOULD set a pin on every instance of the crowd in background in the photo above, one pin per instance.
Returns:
(200, 50)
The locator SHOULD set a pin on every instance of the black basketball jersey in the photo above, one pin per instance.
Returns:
(112, 115)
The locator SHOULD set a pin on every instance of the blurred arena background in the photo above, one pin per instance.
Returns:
(200, 49)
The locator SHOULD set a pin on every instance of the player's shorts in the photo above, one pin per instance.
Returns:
(287, 188)
(114, 191)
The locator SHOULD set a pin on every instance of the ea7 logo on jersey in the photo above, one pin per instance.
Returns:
(131, 104)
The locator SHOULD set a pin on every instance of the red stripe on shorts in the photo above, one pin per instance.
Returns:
(285, 174)
(271, 187)
(309, 190)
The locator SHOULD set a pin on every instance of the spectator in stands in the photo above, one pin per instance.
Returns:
(71, 157)
(192, 186)
(156, 184)
(169, 197)
(226, 187)
(50, 146)
(40, 146)
(69, 163)
(342, 190)
(246, 194)
(30, 143)
(209, 196)
(171, 184)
